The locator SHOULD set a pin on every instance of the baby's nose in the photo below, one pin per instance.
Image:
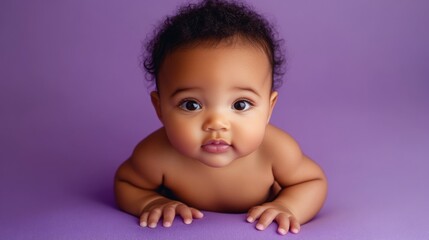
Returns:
(216, 122)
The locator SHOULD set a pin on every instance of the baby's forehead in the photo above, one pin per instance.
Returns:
(237, 60)
(205, 50)
(208, 56)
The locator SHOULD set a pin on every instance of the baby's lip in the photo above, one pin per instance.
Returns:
(216, 142)
(216, 146)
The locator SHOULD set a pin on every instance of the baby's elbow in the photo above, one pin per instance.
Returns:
(322, 187)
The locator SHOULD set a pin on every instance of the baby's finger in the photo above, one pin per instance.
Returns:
(196, 213)
(154, 217)
(143, 219)
(266, 218)
(284, 223)
(185, 212)
(168, 215)
(254, 213)
(294, 225)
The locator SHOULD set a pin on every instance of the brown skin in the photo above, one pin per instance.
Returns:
(239, 176)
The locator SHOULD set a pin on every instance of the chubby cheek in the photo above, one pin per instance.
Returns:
(248, 137)
(183, 135)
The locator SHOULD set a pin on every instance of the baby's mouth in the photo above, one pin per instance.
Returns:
(215, 146)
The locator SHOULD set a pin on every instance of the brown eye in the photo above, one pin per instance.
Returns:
(241, 105)
(190, 105)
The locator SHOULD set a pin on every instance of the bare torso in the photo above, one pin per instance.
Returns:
(236, 189)
(275, 179)
(244, 183)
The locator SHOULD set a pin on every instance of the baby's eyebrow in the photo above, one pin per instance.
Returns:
(179, 90)
(248, 89)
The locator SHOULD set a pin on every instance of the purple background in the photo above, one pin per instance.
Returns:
(74, 103)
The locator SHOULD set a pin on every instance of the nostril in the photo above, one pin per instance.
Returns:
(215, 127)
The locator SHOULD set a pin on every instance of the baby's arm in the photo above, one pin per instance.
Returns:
(136, 182)
(304, 188)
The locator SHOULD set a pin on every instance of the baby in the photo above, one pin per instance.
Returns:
(216, 66)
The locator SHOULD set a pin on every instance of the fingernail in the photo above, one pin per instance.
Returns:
(295, 230)
(152, 225)
(260, 226)
(250, 219)
(143, 224)
(282, 231)
(167, 224)
(188, 221)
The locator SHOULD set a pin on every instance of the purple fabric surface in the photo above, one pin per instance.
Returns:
(73, 103)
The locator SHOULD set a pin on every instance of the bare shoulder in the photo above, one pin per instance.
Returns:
(281, 146)
(290, 165)
(146, 166)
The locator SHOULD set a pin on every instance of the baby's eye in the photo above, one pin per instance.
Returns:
(241, 105)
(190, 105)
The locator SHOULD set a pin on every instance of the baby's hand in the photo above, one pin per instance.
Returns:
(268, 212)
(167, 209)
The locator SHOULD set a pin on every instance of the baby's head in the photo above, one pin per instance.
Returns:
(213, 22)
(216, 66)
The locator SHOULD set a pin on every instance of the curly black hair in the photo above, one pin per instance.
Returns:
(213, 21)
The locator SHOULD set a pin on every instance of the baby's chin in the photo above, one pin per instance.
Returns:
(220, 160)
(216, 160)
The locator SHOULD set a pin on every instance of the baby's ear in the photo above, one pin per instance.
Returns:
(154, 96)
(273, 100)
